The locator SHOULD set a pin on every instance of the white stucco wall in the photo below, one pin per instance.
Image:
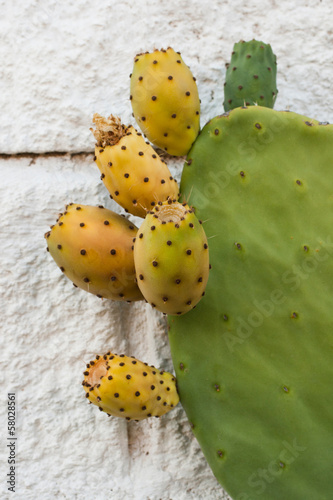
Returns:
(60, 63)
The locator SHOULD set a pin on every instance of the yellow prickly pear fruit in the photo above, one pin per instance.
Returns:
(93, 247)
(171, 258)
(133, 173)
(165, 100)
(123, 386)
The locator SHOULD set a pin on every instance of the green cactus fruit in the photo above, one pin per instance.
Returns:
(251, 76)
(125, 387)
(165, 100)
(254, 360)
(134, 174)
(172, 258)
(93, 248)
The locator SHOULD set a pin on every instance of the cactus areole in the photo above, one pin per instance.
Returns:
(254, 359)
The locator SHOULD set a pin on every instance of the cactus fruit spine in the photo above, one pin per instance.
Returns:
(254, 361)
(135, 176)
(250, 76)
(172, 258)
(93, 248)
(165, 100)
(123, 386)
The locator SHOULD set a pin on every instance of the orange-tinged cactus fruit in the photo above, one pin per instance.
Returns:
(171, 258)
(165, 100)
(133, 173)
(93, 248)
(123, 386)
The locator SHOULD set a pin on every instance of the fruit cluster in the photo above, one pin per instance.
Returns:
(164, 262)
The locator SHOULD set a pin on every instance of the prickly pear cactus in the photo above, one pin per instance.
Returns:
(251, 76)
(93, 247)
(165, 100)
(124, 386)
(254, 359)
(134, 174)
(171, 258)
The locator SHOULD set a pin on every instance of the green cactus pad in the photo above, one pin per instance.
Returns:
(251, 76)
(254, 360)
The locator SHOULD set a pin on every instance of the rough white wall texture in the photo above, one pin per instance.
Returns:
(60, 63)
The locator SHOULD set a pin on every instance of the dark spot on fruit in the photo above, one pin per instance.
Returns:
(188, 252)
(106, 222)
(128, 377)
(146, 179)
(258, 126)
(113, 251)
(173, 115)
(170, 77)
(137, 394)
(155, 264)
(145, 374)
(86, 280)
(154, 98)
(299, 182)
(83, 251)
(177, 281)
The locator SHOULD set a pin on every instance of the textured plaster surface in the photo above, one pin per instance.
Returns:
(60, 63)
